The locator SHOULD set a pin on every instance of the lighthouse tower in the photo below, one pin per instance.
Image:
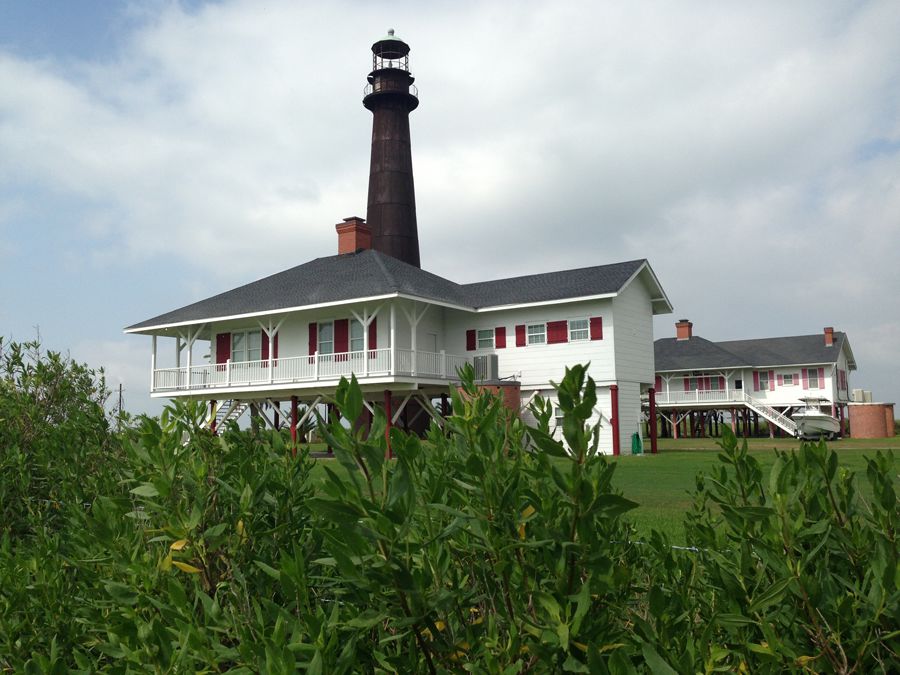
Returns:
(391, 96)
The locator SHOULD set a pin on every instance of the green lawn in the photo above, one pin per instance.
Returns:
(661, 483)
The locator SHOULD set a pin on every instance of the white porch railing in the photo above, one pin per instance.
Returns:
(700, 396)
(309, 369)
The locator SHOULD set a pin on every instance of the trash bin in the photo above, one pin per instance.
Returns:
(637, 445)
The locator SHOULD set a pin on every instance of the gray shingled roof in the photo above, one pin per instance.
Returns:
(700, 354)
(372, 273)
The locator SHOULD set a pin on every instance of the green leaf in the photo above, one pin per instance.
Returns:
(655, 662)
(775, 592)
(268, 569)
(145, 490)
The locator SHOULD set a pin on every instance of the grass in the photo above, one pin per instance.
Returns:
(662, 483)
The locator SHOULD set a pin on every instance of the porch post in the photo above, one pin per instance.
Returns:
(190, 348)
(388, 413)
(365, 327)
(271, 336)
(152, 362)
(675, 424)
(614, 403)
(445, 405)
(734, 421)
(294, 426)
(652, 423)
(393, 334)
(212, 418)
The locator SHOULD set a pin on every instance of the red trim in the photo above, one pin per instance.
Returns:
(805, 374)
(557, 332)
(780, 380)
(520, 335)
(341, 336)
(771, 380)
(687, 384)
(821, 378)
(721, 382)
(596, 328)
(470, 340)
(223, 347)
(658, 382)
(707, 384)
(373, 334)
(313, 338)
(500, 337)
(755, 381)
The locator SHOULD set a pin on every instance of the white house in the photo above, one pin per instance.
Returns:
(371, 311)
(748, 379)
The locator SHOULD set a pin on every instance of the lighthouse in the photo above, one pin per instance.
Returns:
(391, 96)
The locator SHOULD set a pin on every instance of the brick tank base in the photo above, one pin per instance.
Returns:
(870, 420)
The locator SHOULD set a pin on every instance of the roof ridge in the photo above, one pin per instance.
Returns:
(392, 281)
(564, 271)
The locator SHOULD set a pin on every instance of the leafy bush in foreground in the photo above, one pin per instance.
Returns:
(486, 548)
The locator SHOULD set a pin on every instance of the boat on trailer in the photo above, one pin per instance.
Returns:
(812, 422)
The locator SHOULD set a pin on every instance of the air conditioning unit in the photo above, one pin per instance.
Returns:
(857, 396)
(487, 367)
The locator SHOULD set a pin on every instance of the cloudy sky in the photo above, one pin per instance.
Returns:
(155, 153)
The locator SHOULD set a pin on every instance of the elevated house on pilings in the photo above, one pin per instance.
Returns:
(700, 384)
(371, 311)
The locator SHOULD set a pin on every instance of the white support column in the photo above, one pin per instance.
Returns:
(178, 351)
(190, 349)
(152, 362)
(316, 365)
(393, 335)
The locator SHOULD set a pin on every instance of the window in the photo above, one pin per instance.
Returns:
(579, 330)
(537, 333)
(788, 380)
(356, 336)
(246, 346)
(738, 384)
(326, 337)
(714, 383)
(814, 378)
(486, 338)
(692, 385)
(764, 380)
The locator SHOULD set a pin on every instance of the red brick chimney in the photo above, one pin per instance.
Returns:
(353, 235)
(683, 329)
(829, 336)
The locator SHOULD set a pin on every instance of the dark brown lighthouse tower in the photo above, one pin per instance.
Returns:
(391, 96)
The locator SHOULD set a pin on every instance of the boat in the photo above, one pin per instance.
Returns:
(812, 422)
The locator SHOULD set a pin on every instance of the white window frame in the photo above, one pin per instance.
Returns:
(784, 380)
(530, 339)
(484, 338)
(763, 374)
(360, 339)
(814, 373)
(586, 330)
(320, 341)
(246, 349)
(714, 383)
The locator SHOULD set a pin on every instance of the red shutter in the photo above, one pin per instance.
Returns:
(557, 332)
(821, 378)
(596, 328)
(780, 380)
(805, 378)
(755, 381)
(223, 347)
(687, 384)
(706, 383)
(520, 336)
(721, 382)
(341, 336)
(275, 355)
(657, 383)
(373, 335)
(470, 340)
(500, 337)
(313, 338)
(771, 380)
(264, 341)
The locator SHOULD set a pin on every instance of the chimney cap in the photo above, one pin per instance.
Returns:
(390, 47)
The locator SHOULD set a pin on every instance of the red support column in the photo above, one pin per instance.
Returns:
(212, 417)
(614, 402)
(841, 411)
(294, 426)
(388, 413)
(652, 424)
